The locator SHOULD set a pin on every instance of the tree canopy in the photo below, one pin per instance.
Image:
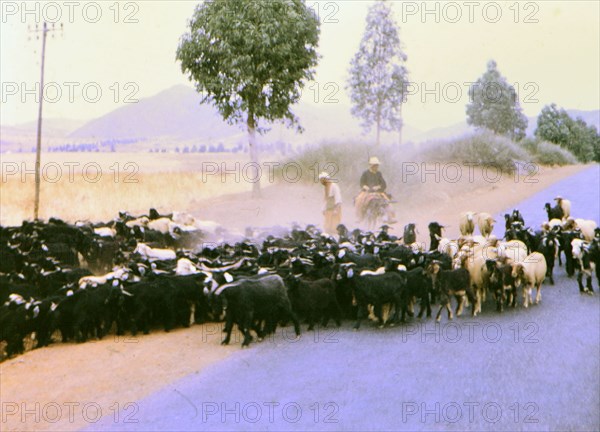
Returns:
(377, 73)
(251, 58)
(555, 125)
(494, 105)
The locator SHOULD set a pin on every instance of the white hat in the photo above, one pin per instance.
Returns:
(373, 160)
(323, 176)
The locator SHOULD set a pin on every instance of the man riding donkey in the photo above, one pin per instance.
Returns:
(373, 187)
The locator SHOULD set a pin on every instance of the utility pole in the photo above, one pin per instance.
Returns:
(38, 152)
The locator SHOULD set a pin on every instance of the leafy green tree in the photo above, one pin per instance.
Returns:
(250, 59)
(377, 73)
(494, 105)
(555, 125)
(582, 140)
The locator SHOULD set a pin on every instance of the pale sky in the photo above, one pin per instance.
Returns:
(556, 59)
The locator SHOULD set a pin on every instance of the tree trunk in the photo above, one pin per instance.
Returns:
(253, 153)
(400, 137)
(401, 127)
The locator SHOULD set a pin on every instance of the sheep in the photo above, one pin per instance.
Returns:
(501, 282)
(486, 224)
(154, 254)
(555, 212)
(182, 218)
(581, 253)
(141, 222)
(514, 250)
(380, 270)
(466, 223)
(447, 246)
(448, 283)
(417, 247)
(435, 233)
(519, 232)
(515, 216)
(410, 234)
(478, 277)
(548, 246)
(117, 273)
(565, 205)
(161, 225)
(552, 225)
(105, 232)
(587, 227)
(185, 267)
(529, 273)
(471, 242)
(594, 255)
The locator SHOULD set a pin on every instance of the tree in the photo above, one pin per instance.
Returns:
(495, 106)
(582, 140)
(377, 74)
(251, 59)
(555, 125)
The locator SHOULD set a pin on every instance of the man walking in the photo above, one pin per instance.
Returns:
(332, 207)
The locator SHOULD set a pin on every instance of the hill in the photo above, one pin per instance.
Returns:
(176, 118)
(178, 114)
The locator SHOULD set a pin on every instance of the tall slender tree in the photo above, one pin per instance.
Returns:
(494, 105)
(378, 76)
(250, 59)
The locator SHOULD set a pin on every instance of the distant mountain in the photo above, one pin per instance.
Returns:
(172, 113)
(178, 114)
(176, 118)
(54, 127)
(23, 137)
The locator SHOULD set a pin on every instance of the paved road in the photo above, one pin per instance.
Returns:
(535, 369)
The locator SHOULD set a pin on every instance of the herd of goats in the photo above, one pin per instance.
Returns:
(85, 280)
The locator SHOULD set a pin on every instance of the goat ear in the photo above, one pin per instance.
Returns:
(437, 237)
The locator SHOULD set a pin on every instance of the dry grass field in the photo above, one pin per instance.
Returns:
(95, 186)
(137, 181)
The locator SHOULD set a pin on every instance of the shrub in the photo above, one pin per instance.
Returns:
(552, 154)
(346, 161)
(480, 148)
